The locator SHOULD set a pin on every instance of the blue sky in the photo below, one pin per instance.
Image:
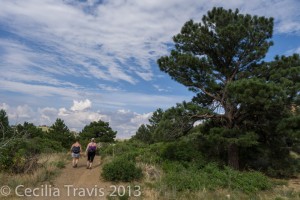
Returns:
(85, 60)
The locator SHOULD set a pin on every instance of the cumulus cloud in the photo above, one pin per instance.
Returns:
(4, 106)
(81, 105)
(127, 122)
(19, 113)
(46, 115)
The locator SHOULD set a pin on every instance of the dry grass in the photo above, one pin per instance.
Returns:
(152, 173)
(47, 170)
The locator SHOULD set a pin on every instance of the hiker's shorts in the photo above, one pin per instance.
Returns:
(91, 156)
(75, 155)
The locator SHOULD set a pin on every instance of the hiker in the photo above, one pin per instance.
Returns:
(75, 151)
(91, 152)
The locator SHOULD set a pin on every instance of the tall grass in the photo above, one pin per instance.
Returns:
(49, 165)
(181, 178)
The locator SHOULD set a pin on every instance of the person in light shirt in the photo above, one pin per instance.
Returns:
(75, 152)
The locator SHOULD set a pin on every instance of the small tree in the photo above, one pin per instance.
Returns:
(155, 119)
(143, 134)
(100, 130)
(61, 133)
(29, 130)
(5, 129)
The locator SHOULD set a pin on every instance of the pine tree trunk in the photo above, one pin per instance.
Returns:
(233, 156)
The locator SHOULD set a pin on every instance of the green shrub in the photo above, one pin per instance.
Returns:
(172, 166)
(121, 148)
(121, 169)
(181, 151)
(248, 182)
(60, 164)
(18, 156)
(182, 178)
(287, 167)
(45, 145)
(151, 154)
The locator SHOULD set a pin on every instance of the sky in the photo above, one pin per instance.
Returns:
(90, 60)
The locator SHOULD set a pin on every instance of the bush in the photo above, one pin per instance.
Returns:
(45, 145)
(119, 148)
(182, 151)
(121, 169)
(288, 167)
(18, 156)
(60, 164)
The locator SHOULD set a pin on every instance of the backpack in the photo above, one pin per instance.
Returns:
(92, 149)
(76, 149)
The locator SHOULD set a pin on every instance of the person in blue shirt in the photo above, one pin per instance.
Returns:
(75, 152)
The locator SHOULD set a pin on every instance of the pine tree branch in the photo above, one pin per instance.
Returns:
(209, 94)
(207, 116)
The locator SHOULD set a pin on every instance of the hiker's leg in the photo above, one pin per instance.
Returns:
(73, 161)
(92, 159)
(88, 161)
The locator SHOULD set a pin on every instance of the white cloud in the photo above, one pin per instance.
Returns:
(108, 88)
(63, 112)
(127, 122)
(107, 40)
(37, 90)
(81, 105)
(77, 120)
(141, 118)
(19, 113)
(160, 89)
(46, 115)
(293, 51)
(130, 100)
(4, 106)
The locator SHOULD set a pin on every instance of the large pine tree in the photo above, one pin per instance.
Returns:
(240, 96)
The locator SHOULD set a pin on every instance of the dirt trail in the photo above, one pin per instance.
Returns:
(294, 184)
(76, 183)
